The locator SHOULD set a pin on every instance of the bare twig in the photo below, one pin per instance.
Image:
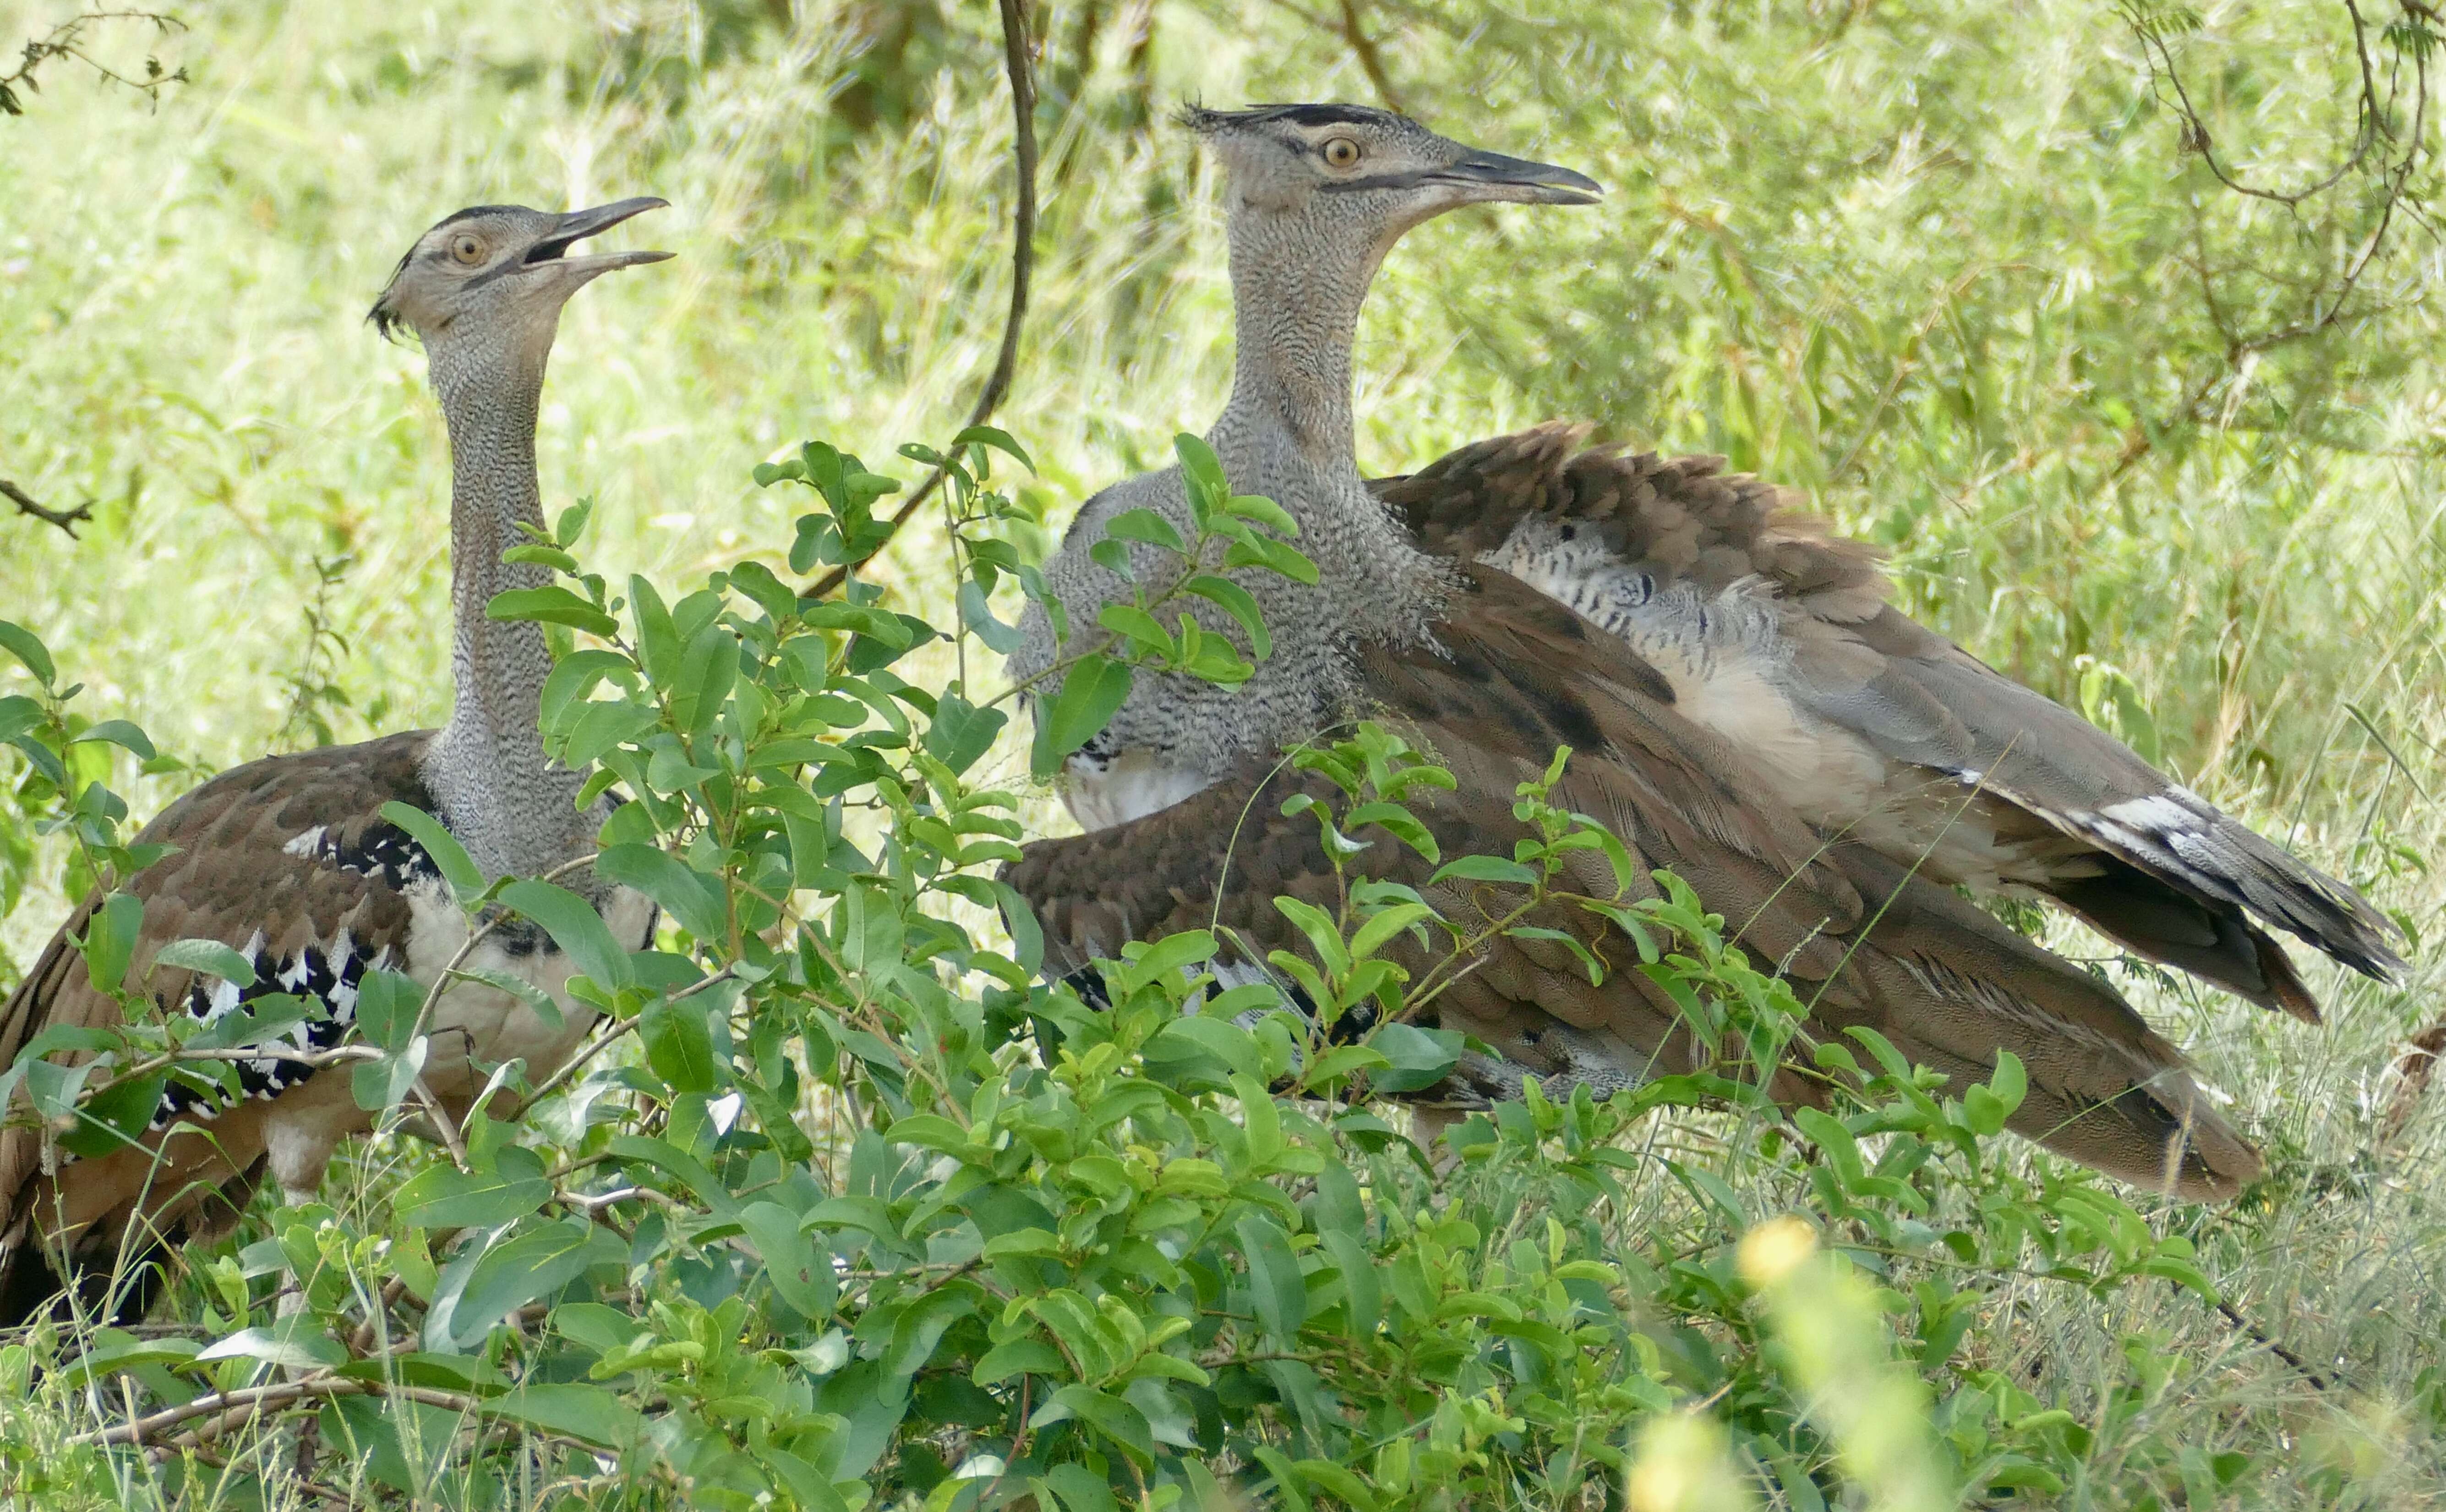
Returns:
(1371, 61)
(618, 1027)
(2390, 154)
(2258, 1336)
(1022, 257)
(68, 519)
(2369, 119)
(376, 1327)
(66, 40)
(229, 1410)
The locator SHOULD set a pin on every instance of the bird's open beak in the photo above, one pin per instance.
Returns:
(1493, 175)
(579, 224)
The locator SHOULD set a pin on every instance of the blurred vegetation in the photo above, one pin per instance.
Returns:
(1976, 278)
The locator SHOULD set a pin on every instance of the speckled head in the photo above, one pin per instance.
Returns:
(488, 265)
(1280, 157)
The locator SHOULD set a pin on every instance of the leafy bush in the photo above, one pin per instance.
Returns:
(842, 1206)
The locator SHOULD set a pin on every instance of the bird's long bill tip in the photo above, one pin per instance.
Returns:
(1519, 179)
(595, 222)
(578, 225)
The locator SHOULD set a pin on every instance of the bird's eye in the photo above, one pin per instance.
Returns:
(467, 248)
(1341, 153)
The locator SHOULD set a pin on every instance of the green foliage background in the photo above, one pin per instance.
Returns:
(1948, 268)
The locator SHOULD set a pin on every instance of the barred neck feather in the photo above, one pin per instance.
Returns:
(512, 806)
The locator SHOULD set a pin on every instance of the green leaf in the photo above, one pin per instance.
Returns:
(1019, 1357)
(536, 555)
(297, 1343)
(679, 1047)
(1147, 526)
(387, 1003)
(444, 1196)
(1091, 691)
(1984, 1111)
(917, 1331)
(2008, 1081)
(576, 928)
(1381, 928)
(1172, 953)
(18, 714)
(379, 1085)
(1264, 512)
(27, 648)
(209, 956)
(1276, 1287)
(799, 1274)
(1272, 555)
(552, 606)
(1137, 627)
(1421, 1057)
(571, 522)
(114, 1351)
(1227, 1042)
(998, 439)
(538, 1002)
(684, 892)
(119, 732)
(459, 869)
(1363, 1297)
(977, 614)
(1201, 471)
(1338, 1481)
(535, 1264)
(708, 669)
(1484, 869)
(261, 1018)
(115, 1118)
(1080, 1489)
(962, 732)
(1287, 1478)
(1023, 1241)
(110, 935)
(1116, 1419)
(1242, 605)
(1397, 822)
(587, 1412)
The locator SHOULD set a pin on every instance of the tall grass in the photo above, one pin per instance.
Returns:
(1948, 269)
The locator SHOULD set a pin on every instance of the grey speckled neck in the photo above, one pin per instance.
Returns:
(1299, 278)
(506, 802)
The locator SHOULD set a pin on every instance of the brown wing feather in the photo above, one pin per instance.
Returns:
(240, 875)
(2146, 862)
(1511, 677)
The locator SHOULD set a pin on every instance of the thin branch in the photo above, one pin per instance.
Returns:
(2369, 114)
(619, 1027)
(229, 1410)
(1022, 257)
(2258, 1336)
(66, 40)
(68, 519)
(1371, 61)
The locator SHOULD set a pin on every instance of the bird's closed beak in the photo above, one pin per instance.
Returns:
(1493, 175)
(579, 224)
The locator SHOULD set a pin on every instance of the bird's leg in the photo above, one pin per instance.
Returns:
(1428, 1126)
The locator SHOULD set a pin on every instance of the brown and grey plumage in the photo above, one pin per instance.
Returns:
(1510, 675)
(1777, 633)
(1492, 676)
(289, 861)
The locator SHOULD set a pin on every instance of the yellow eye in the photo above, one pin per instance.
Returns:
(468, 248)
(1341, 153)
